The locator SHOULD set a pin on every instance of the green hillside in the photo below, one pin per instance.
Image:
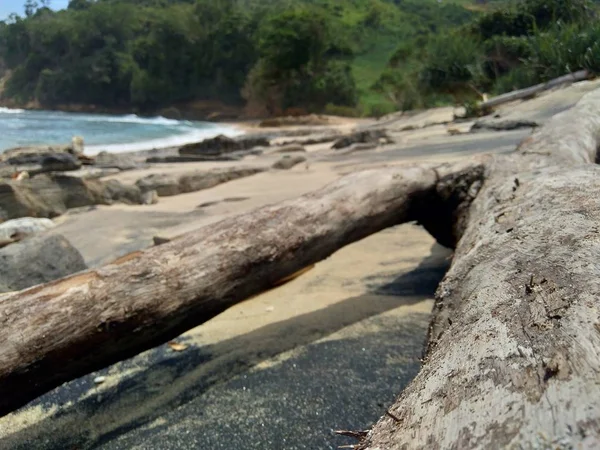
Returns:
(343, 56)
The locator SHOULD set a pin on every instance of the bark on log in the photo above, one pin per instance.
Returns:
(512, 357)
(56, 332)
(533, 90)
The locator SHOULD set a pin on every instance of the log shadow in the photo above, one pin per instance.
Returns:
(169, 380)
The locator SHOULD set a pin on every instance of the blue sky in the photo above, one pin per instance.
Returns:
(11, 6)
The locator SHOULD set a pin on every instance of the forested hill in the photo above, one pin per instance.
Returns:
(345, 56)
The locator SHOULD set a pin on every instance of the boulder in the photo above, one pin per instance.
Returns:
(222, 144)
(59, 162)
(503, 125)
(167, 185)
(292, 148)
(119, 192)
(287, 162)
(359, 147)
(191, 158)
(52, 195)
(37, 260)
(205, 180)
(361, 137)
(23, 227)
(119, 161)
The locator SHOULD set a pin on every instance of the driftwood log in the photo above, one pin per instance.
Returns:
(534, 90)
(513, 350)
(55, 332)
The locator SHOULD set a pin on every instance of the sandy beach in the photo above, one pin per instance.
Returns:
(329, 350)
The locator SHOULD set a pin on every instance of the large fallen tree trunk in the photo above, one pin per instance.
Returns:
(56, 332)
(512, 356)
(533, 90)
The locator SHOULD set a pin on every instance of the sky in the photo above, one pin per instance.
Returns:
(16, 6)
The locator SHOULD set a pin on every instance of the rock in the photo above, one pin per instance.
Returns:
(164, 185)
(358, 148)
(149, 198)
(93, 173)
(223, 144)
(119, 192)
(287, 162)
(167, 185)
(204, 180)
(24, 226)
(160, 240)
(293, 148)
(119, 161)
(36, 260)
(191, 158)
(367, 136)
(51, 195)
(503, 125)
(59, 162)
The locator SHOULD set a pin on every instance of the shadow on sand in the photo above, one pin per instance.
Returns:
(170, 380)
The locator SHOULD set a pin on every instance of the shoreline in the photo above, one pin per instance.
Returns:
(165, 145)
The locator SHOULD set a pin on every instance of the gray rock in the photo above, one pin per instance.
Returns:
(222, 144)
(292, 148)
(287, 162)
(503, 125)
(52, 195)
(119, 161)
(59, 162)
(119, 192)
(24, 226)
(358, 148)
(167, 185)
(164, 185)
(367, 136)
(191, 158)
(37, 260)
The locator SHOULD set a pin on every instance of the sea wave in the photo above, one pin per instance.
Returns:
(132, 118)
(174, 140)
(4, 110)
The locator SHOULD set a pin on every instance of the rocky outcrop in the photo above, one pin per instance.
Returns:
(222, 144)
(292, 148)
(37, 260)
(503, 125)
(167, 185)
(51, 195)
(192, 158)
(287, 162)
(119, 161)
(362, 137)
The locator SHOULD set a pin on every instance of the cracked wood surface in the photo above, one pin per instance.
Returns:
(513, 353)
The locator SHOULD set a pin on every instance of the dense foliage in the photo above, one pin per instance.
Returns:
(340, 56)
(512, 46)
(146, 54)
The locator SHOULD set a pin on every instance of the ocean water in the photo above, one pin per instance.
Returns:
(101, 131)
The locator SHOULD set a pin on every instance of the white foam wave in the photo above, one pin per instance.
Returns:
(132, 118)
(4, 110)
(195, 135)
